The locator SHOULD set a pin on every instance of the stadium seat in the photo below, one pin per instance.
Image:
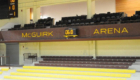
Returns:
(43, 23)
(16, 27)
(132, 19)
(28, 26)
(103, 60)
(89, 62)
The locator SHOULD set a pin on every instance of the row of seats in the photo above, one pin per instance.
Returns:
(83, 65)
(117, 57)
(67, 57)
(93, 63)
(41, 23)
(134, 18)
(98, 57)
(103, 18)
(88, 61)
(103, 60)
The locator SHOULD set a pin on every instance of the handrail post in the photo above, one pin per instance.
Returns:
(1, 61)
(9, 62)
(36, 56)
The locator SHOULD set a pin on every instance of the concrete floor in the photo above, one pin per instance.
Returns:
(135, 66)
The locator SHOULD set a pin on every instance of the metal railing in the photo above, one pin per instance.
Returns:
(5, 61)
(30, 56)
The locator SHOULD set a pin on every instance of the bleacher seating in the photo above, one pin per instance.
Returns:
(16, 27)
(88, 57)
(103, 60)
(117, 57)
(42, 23)
(132, 19)
(118, 62)
(97, 19)
(105, 18)
(98, 57)
(83, 65)
(109, 18)
(89, 62)
(38, 26)
(28, 26)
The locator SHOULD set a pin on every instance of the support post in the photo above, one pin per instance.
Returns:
(1, 61)
(94, 56)
(36, 13)
(9, 63)
(90, 8)
(26, 16)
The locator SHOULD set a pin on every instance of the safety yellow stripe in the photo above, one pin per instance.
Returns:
(75, 73)
(65, 76)
(82, 69)
(5, 69)
(0, 72)
(25, 78)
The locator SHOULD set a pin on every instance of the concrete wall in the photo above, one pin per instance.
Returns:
(73, 9)
(82, 48)
(32, 47)
(20, 20)
(25, 5)
(77, 48)
(64, 10)
(2, 49)
(104, 6)
(128, 6)
(118, 48)
(72, 48)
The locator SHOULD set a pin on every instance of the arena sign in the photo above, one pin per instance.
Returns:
(37, 34)
(111, 31)
(75, 33)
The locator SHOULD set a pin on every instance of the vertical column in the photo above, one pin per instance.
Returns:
(92, 48)
(20, 14)
(23, 16)
(26, 16)
(38, 46)
(93, 7)
(36, 13)
(90, 8)
(95, 54)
